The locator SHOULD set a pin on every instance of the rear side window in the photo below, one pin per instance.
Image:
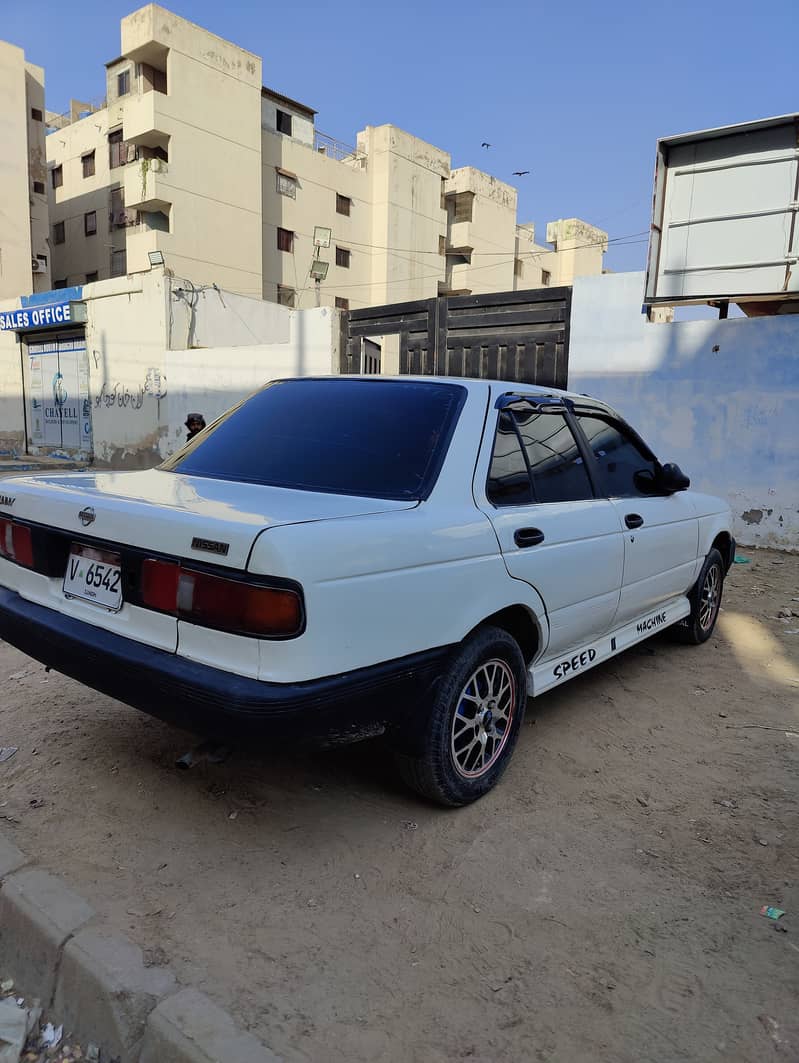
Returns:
(379, 439)
(547, 448)
(626, 469)
(508, 477)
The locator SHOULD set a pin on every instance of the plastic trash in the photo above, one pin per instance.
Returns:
(739, 559)
(771, 913)
(51, 1035)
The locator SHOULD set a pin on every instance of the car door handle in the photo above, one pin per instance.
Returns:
(633, 520)
(528, 537)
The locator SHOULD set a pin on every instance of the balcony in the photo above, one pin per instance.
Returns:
(141, 119)
(145, 185)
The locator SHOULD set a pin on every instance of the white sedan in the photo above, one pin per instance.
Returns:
(341, 557)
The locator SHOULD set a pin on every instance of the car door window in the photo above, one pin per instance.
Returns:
(627, 471)
(538, 449)
(556, 465)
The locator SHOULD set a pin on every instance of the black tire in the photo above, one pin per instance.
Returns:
(443, 771)
(705, 599)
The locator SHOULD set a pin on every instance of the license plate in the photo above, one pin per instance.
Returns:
(94, 576)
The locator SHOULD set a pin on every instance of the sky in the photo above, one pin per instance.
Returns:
(576, 92)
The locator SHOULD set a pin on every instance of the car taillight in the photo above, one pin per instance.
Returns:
(215, 601)
(159, 585)
(16, 542)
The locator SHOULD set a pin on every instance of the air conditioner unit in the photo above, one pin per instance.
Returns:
(159, 166)
(37, 266)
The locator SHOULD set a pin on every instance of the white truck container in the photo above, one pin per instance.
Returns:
(724, 223)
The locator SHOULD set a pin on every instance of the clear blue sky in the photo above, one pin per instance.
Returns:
(574, 90)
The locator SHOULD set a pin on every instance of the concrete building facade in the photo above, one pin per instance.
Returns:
(24, 226)
(192, 157)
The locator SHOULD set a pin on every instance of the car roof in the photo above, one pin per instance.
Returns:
(472, 384)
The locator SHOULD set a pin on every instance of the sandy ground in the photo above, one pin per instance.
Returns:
(600, 905)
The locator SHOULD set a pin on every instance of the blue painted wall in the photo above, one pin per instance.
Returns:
(721, 398)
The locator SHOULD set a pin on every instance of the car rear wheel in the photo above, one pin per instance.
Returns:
(705, 601)
(476, 715)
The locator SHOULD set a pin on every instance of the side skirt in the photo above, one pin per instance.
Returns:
(551, 673)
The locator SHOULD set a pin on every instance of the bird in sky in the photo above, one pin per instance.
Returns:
(485, 144)
(520, 173)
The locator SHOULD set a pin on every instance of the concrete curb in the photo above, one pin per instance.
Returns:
(95, 981)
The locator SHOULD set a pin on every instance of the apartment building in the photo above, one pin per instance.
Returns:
(24, 227)
(194, 162)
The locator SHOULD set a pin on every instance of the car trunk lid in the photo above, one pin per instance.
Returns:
(181, 516)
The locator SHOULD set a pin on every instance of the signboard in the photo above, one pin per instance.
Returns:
(42, 310)
(36, 317)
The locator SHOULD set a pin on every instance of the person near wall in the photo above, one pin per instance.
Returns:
(195, 422)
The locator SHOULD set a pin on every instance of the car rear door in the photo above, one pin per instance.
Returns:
(661, 531)
(534, 485)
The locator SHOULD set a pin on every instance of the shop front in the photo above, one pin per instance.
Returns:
(50, 328)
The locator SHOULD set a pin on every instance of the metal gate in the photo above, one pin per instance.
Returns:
(520, 336)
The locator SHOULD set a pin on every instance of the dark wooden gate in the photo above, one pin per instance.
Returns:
(520, 336)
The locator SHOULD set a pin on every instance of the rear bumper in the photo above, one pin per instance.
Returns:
(209, 701)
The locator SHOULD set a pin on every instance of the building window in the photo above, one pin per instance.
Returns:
(518, 267)
(57, 176)
(343, 257)
(38, 188)
(284, 122)
(152, 79)
(341, 303)
(36, 114)
(87, 161)
(119, 263)
(285, 240)
(91, 277)
(60, 284)
(123, 83)
(90, 223)
(119, 217)
(546, 277)
(118, 150)
(343, 205)
(462, 206)
(58, 233)
(286, 184)
(286, 296)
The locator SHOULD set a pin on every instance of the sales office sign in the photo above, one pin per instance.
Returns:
(36, 317)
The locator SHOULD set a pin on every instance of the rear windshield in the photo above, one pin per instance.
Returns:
(381, 439)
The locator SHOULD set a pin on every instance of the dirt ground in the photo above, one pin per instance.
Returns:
(602, 904)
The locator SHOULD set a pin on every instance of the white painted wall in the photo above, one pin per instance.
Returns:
(211, 381)
(141, 329)
(721, 398)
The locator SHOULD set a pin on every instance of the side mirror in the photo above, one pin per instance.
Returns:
(672, 478)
